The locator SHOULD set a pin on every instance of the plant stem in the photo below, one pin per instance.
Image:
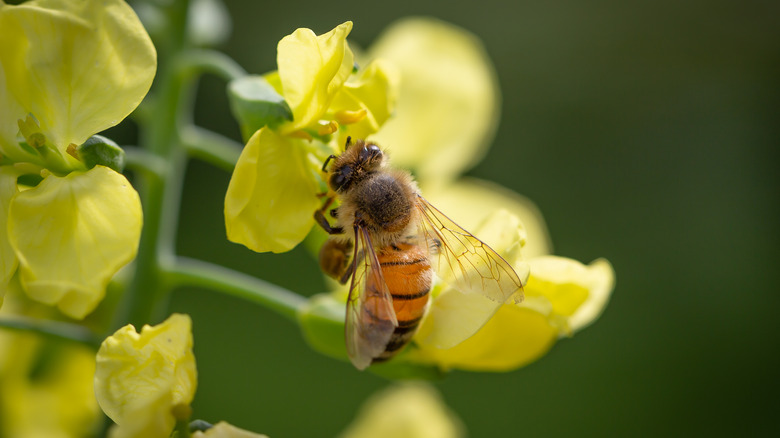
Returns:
(52, 329)
(211, 147)
(191, 272)
(209, 61)
(140, 160)
(161, 193)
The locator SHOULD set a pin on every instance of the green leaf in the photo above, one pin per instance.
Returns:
(255, 103)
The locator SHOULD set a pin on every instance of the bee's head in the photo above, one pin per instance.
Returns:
(359, 159)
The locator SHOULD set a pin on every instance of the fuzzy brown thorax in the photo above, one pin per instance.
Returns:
(380, 198)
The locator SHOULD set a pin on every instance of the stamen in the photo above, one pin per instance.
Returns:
(302, 134)
(329, 128)
(31, 132)
(348, 117)
(71, 150)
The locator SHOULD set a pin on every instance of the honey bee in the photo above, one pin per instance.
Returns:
(387, 241)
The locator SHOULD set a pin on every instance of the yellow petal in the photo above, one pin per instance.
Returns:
(514, 337)
(272, 194)
(58, 401)
(148, 372)
(72, 234)
(373, 90)
(312, 69)
(448, 104)
(577, 293)
(226, 430)
(468, 200)
(455, 316)
(149, 418)
(78, 67)
(8, 260)
(408, 411)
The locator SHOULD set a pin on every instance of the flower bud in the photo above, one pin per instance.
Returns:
(101, 150)
(255, 103)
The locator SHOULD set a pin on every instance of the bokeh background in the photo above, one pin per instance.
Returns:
(647, 133)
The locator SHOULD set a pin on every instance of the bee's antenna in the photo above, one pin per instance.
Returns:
(349, 140)
(324, 166)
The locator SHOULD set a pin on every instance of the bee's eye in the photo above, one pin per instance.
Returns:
(340, 177)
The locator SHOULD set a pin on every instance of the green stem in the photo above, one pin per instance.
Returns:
(140, 160)
(191, 272)
(53, 329)
(208, 61)
(211, 147)
(161, 193)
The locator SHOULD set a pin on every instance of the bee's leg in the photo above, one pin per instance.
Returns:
(319, 216)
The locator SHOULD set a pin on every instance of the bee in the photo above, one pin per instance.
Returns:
(388, 241)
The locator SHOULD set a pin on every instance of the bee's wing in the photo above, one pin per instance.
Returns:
(465, 262)
(370, 315)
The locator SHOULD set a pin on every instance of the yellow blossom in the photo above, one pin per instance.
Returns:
(225, 430)
(448, 104)
(141, 378)
(68, 261)
(45, 385)
(274, 189)
(67, 71)
(408, 411)
(77, 67)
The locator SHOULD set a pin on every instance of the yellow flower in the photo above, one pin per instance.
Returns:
(69, 261)
(45, 385)
(273, 190)
(449, 100)
(409, 411)
(142, 379)
(225, 430)
(67, 71)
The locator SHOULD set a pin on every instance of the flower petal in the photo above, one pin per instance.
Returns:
(455, 316)
(72, 234)
(312, 70)
(46, 401)
(467, 200)
(514, 337)
(373, 90)
(226, 430)
(78, 67)
(412, 410)
(8, 260)
(577, 293)
(271, 198)
(448, 105)
(137, 372)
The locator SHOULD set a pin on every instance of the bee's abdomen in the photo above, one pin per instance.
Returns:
(408, 275)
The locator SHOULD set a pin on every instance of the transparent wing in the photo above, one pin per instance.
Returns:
(370, 315)
(465, 262)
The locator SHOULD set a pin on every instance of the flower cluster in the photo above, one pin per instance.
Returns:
(68, 219)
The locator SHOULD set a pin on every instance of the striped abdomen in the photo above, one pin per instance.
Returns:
(407, 272)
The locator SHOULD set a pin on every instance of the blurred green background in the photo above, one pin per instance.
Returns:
(647, 134)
